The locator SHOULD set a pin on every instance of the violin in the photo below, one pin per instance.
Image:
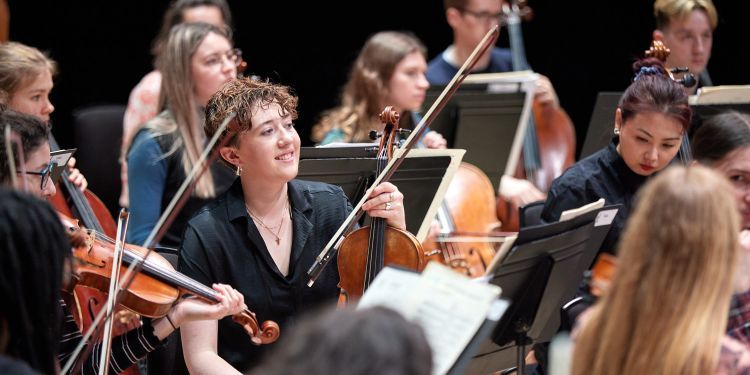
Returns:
(85, 303)
(155, 288)
(365, 251)
(549, 144)
(467, 211)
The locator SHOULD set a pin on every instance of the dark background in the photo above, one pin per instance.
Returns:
(102, 46)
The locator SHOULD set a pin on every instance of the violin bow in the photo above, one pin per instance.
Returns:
(169, 214)
(330, 250)
(114, 289)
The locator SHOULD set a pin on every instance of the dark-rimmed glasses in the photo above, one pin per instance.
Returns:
(44, 174)
(483, 16)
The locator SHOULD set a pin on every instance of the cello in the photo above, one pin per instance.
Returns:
(549, 143)
(365, 251)
(466, 217)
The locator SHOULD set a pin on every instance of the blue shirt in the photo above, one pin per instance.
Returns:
(440, 71)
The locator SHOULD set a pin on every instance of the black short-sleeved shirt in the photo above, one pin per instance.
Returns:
(603, 174)
(223, 245)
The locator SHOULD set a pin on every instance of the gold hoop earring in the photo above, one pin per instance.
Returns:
(238, 172)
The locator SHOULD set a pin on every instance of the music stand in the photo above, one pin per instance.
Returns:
(601, 124)
(487, 116)
(539, 274)
(423, 177)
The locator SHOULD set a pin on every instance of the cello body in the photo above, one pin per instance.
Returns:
(468, 208)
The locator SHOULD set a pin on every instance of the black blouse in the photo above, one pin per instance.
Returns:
(223, 245)
(603, 174)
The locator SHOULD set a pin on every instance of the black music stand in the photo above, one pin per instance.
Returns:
(540, 273)
(482, 120)
(601, 124)
(423, 177)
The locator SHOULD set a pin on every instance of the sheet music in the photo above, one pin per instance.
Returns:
(448, 306)
(575, 212)
(728, 94)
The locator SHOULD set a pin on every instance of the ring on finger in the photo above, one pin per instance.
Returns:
(387, 206)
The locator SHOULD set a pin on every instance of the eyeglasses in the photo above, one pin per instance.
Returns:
(44, 175)
(483, 16)
(234, 56)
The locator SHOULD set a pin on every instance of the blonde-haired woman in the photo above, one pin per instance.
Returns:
(666, 309)
(25, 84)
(197, 59)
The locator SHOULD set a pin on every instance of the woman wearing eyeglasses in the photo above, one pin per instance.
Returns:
(196, 60)
(25, 84)
(33, 177)
(143, 102)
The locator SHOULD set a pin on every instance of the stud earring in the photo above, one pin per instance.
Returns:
(617, 131)
(238, 172)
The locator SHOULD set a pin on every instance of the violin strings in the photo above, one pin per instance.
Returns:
(157, 270)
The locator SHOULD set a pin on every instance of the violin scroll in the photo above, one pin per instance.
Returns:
(259, 334)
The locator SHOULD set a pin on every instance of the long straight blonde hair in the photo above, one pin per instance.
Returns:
(666, 310)
(177, 95)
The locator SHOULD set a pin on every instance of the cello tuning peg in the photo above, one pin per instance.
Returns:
(374, 135)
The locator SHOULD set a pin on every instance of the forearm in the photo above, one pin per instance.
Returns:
(199, 344)
(208, 362)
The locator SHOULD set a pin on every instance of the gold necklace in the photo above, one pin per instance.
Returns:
(277, 235)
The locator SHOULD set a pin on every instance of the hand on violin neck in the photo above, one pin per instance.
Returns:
(75, 176)
(194, 309)
(388, 203)
(190, 309)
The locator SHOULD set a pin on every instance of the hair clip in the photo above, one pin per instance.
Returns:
(647, 70)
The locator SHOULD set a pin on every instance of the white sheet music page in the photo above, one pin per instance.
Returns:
(449, 307)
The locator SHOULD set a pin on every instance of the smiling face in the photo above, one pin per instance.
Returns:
(211, 66)
(648, 141)
(32, 96)
(408, 85)
(690, 39)
(736, 167)
(269, 150)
